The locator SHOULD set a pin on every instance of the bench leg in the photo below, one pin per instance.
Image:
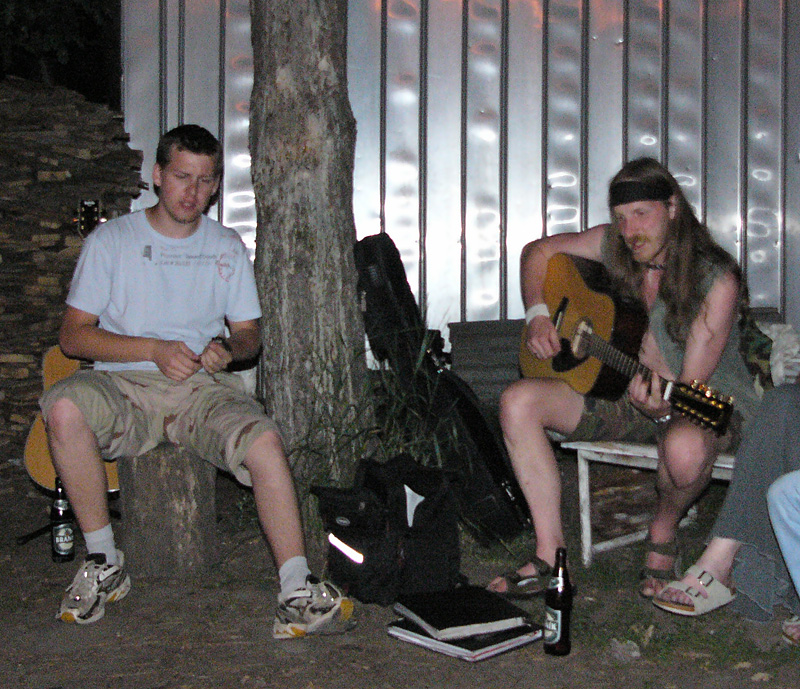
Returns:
(585, 499)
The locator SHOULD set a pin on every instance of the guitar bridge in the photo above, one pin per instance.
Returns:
(581, 339)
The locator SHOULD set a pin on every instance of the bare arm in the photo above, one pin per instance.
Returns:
(542, 339)
(243, 344)
(710, 330)
(704, 346)
(81, 337)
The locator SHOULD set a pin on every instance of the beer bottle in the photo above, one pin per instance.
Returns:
(558, 605)
(62, 527)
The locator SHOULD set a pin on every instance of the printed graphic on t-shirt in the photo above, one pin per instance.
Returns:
(180, 257)
(225, 266)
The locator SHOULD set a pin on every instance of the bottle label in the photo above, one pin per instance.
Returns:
(63, 539)
(552, 626)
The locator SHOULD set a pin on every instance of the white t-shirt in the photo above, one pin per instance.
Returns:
(141, 283)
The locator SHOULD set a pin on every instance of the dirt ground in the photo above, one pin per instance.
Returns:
(216, 633)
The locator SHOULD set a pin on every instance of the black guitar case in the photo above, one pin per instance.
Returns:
(490, 501)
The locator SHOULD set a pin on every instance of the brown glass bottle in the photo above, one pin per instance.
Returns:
(558, 606)
(62, 527)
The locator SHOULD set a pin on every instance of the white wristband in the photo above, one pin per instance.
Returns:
(536, 310)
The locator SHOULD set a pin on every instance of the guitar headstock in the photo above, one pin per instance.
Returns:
(89, 216)
(702, 405)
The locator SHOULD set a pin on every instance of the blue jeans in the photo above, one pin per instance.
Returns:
(783, 499)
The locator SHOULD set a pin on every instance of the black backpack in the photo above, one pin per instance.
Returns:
(374, 554)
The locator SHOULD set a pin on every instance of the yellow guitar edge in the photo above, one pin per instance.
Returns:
(37, 460)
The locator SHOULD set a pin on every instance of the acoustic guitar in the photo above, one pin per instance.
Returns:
(38, 463)
(55, 367)
(601, 332)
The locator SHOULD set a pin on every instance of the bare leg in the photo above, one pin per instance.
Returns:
(276, 501)
(686, 455)
(77, 461)
(527, 408)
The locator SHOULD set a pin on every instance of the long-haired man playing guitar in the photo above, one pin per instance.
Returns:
(655, 248)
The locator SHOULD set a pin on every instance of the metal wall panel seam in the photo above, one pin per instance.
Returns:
(783, 163)
(744, 144)
(583, 155)
(702, 194)
(422, 156)
(791, 252)
(221, 92)
(163, 93)
(626, 60)
(382, 118)
(503, 160)
(663, 145)
(545, 112)
(463, 161)
(181, 105)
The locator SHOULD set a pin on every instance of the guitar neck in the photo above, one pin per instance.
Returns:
(625, 364)
(613, 357)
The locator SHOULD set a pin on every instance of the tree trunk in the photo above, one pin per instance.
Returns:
(302, 143)
(168, 513)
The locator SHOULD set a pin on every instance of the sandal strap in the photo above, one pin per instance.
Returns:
(659, 574)
(670, 549)
(543, 568)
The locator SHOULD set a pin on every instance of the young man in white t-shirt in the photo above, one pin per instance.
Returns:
(153, 295)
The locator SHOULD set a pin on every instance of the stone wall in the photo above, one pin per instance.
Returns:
(56, 150)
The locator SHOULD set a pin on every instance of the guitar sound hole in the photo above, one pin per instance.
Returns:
(565, 360)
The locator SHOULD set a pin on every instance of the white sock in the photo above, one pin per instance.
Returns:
(293, 574)
(102, 541)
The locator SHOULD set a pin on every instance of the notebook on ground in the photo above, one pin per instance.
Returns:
(471, 649)
(460, 612)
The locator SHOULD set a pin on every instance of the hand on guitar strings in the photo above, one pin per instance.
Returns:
(542, 339)
(645, 394)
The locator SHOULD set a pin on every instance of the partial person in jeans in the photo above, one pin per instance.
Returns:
(163, 300)
(783, 499)
(742, 563)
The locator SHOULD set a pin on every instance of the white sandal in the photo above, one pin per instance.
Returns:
(792, 623)
(717, 595)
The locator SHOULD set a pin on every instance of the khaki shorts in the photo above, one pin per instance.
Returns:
(131, 412)
(621, 421)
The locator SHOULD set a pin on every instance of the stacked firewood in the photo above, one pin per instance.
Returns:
(56, 150)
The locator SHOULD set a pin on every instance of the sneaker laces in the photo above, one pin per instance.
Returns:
(89, 575)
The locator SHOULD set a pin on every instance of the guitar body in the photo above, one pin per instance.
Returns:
(38, 464)
(578, 294)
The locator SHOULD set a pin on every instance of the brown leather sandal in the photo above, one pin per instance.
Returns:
(664, 576)
(527, 585)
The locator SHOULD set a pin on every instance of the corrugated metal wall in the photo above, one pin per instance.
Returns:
(483, 124)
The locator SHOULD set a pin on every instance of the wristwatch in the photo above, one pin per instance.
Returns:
(225, 344)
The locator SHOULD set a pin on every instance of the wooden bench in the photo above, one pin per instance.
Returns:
(634, 456)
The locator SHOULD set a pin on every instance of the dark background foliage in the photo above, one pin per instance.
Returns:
(71, 43)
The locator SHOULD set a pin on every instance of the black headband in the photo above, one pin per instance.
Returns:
(628, 192)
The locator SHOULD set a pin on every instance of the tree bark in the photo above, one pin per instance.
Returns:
(168, 513)
(302, 143)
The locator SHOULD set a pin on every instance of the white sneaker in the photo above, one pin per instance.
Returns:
(95, 584)
(317, 608)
